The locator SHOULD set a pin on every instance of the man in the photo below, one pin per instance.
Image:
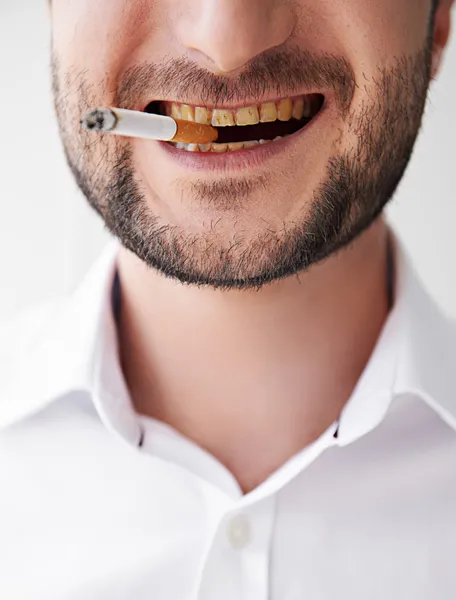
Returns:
(250, 396)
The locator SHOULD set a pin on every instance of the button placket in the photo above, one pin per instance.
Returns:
(256, 553)
(239, 531)
(237, 563)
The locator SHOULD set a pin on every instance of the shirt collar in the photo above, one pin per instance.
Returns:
(79, 349)
(413, 356)
(427, 348)
(78, 341)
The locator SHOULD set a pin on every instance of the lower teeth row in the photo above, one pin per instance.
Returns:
(222, 147)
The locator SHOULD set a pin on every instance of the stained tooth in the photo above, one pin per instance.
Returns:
(202, 115)
(192, 148)
(168, 110)
(264, 141)
(307, 109)
(298, 108)
(251, 144)
(268, 112)
(284, 109)
(187, 112)
(247, 116)
(222, 118)
(219, 147)
(205, 147)
(236, 146)
(175, 111)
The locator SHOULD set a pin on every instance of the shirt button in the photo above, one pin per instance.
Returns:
(238, 531)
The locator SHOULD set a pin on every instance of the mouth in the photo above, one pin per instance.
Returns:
(245, 127)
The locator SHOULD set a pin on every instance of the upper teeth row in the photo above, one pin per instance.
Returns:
(283, 110)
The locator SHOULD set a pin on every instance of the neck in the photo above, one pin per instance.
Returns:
(234, 370)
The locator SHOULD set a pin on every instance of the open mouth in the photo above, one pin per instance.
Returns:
(245, 127)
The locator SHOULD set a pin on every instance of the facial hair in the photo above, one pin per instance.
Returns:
(358, 183)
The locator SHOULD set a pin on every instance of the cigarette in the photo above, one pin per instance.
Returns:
(133, 123)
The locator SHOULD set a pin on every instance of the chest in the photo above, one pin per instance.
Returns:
(98, 531)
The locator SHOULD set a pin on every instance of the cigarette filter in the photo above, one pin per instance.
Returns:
(132, 123)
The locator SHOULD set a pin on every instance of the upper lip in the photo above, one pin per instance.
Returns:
(234, 105)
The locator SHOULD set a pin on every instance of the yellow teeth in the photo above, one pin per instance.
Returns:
(222, 118)
(231, 147)
(176, 111)
(247, 116)
(202, 115)
(298, 108)
(219, 147)
(235, 146)
(283, 110)
(187, 112)
(251, 144)
(268, 112)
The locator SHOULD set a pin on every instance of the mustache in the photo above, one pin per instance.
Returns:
(285, 72)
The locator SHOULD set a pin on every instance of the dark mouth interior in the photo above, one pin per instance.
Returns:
(261, 131)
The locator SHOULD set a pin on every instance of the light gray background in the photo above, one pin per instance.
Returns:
(49, 237)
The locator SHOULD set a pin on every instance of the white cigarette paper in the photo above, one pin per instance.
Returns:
(130, 123)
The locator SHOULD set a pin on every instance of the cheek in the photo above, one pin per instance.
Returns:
(372, 35)
(369, 33)
(375, 33)
(97, 37)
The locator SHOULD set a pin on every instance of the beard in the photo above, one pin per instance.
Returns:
(358, 182)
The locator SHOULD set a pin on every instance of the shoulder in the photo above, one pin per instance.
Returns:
(50, 349)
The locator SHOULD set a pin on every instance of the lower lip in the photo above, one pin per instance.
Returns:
(239, 159)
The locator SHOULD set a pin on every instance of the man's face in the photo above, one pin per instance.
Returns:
(245, 217)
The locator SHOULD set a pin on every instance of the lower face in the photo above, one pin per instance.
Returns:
(314, 135)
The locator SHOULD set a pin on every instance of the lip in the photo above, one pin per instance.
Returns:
(251, 158)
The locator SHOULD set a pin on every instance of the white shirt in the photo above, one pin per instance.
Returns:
(97, 502)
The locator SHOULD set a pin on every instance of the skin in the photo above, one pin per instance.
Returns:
(252, 373)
